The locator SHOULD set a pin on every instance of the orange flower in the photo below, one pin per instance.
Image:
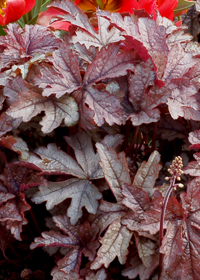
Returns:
(108, 5)
(12, 10)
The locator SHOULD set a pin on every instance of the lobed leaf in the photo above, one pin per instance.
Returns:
(54, 160)
(21, 44)
(64, 77)
(143, 34)
(31, 104)
(85, 155)
(104, 37)
(100, 275)
(181, 243)
(147, 251)
(114, 243)
(16, 144)
(178, 63)
(7, 123)
(82, 193)
(137, 268)
(115, 169)
(73, 14)
(147, 173)
(194, 139)
(106, 107)
(109, 63)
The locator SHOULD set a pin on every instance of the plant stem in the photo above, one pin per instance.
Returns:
(154, 136)
(133, 140)
(34, 221)
(3, 157)
(162, 219)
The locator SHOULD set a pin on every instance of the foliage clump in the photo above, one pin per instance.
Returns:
(90, 121)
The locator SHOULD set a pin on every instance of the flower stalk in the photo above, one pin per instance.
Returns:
(176, 172)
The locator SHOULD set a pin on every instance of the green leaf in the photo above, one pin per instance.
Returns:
(183, 5)
(2, 32)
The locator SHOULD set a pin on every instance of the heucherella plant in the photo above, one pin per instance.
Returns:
(97, 98)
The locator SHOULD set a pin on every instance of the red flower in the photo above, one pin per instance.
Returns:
(165, 7)
(148, 5)
(45, 18)
(12, 10)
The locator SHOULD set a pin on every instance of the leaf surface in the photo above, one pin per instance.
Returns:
(106, 107)
(137, 268)
(109, 63)
(85, 155)
(104, 37)
(24, 44)
(65, 78)
(74, 15)
(181, 243)
(54, 160)
(115, 169)
(82, 193)
(147, 173)
(31, 104)
(114, 243)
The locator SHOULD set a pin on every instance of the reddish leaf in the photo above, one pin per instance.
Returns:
(147, 174)
(147, 251)
(18, 178)
(194, 139)
(184, 103)
(24, 44)
(7, 123)
(145, 109)
(138, 268)
(143, 77)
(73, 14)
(106, 107)
(86, 114)
(109, 64)
(53, 238)
(66, 76)
(115, 169)
(82, 192)
(68, 240)
(178, 63)
(16, 85)
(85, 155)
(54, 160)
(31, 104)
(138, 201)
(170, 129)
(193, 167)
(146, 37)
(152, 216)
(12, 214)
(78, 238)
(100, 275)
(114, 243)
(60, 274)
(106, 214)
(16, 144)
(87, 55)
(104, 37)
(181, 243)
